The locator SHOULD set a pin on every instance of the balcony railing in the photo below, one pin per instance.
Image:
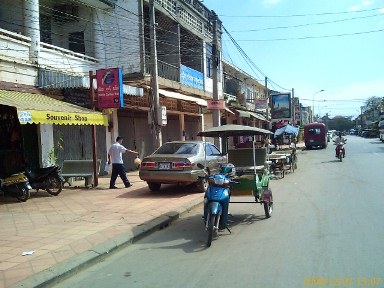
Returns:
(165, 70)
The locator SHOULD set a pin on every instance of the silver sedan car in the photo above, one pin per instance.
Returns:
(176, 163)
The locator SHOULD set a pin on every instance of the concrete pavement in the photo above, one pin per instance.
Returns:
(62, 234)
(79, 226)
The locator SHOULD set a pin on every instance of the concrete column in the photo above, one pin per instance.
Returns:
(47, 153)
(99, 40)
(32, 27)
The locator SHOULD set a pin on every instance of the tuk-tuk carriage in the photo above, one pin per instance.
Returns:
(252, 167)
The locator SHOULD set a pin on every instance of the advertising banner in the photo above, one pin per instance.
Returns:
(191, 77)
(261, 103)
(109, 88)
(281, 107)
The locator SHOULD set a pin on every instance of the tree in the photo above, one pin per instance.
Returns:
(340, 123)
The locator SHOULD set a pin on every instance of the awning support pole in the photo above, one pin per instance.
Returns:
(94, 146)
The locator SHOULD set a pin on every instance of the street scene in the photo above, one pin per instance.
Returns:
(172, 143)
(321, 218)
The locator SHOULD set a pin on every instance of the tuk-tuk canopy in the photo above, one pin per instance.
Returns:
(289, 129)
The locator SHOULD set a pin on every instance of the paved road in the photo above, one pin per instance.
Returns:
(326, 231)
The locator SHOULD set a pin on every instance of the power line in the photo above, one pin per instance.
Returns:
(307, 24)
(301, 15)
(313, 37)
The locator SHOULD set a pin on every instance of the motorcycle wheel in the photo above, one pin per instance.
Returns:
(268, 207)
(55, 186)
(23, 193)
(211, 228)
(341, 157)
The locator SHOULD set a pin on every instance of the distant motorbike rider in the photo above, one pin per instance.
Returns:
(339, 140)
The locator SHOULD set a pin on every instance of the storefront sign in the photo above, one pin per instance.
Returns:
(61, 118)
(216, 104)
(261, 104)
(163, 110)
(191, 77)
(110, 88)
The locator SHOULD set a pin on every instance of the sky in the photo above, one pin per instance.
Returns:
(306, 46)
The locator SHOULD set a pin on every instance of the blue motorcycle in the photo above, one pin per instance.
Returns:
(216, 201)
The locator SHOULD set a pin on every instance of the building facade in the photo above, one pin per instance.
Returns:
(50, 47)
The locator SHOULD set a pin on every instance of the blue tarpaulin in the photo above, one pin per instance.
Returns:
(289, 129)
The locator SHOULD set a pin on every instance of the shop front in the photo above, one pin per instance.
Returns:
(37, 129)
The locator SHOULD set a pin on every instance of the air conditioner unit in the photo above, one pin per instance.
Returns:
(65, 13)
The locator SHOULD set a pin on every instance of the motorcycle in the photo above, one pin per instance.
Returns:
(216, 200)
(340, 150)
(48, 179)
(16, 185)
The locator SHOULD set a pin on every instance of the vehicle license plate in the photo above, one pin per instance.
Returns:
(311, 140)
(164, 166)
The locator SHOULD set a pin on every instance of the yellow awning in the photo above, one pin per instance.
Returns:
(38, 108)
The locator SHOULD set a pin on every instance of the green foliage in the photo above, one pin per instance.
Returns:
(52, 156)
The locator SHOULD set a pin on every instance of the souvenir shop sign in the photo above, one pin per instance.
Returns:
(38, 108)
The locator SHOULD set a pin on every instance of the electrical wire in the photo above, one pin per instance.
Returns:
(307, 24)
(302, 15)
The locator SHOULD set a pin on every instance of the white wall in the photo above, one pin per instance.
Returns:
(120, 31)
(46, 144)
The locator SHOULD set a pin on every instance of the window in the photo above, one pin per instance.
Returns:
(45, 29)
(314, 131)
(178, 148)
(209, 61)
(211, 150)
(76, 42)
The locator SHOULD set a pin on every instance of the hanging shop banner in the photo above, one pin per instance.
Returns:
(281, 107)
(110, 88)
(216, 104)
(261, 104)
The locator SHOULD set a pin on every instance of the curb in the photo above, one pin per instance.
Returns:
(82, 261)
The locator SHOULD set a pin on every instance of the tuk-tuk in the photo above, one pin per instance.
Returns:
(252, 167)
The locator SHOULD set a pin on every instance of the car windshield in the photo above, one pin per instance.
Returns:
(178, 148)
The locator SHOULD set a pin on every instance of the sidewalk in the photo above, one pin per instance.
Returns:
(80, 226)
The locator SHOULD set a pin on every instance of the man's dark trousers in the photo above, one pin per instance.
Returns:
(118, 170)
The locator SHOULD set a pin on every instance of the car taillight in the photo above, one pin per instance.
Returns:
(148, 164)
(182, 165)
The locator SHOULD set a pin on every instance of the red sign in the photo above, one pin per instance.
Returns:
(109, 88)
(261, 103)
(216, 104)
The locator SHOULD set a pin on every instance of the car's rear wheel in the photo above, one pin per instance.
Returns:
(153, 186)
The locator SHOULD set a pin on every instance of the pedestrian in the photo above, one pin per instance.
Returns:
(116, 158)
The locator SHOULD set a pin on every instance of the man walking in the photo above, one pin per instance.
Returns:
(116, 158)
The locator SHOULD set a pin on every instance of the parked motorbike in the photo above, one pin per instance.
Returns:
(340, 150)
(48, 179)
(16, 185)
(216, 200)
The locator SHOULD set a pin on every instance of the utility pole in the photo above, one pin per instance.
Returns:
(156, 126)
(267, 96)
(293, 106)
(94, 138)
(216, 63)
(361, 117)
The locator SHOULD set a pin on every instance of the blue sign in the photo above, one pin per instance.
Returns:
(191, 77)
